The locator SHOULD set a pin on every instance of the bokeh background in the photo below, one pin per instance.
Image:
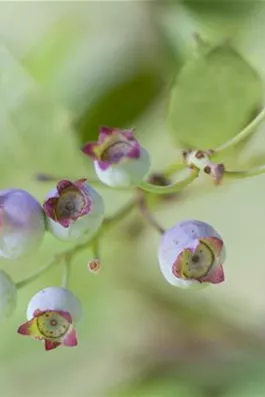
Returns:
(65, 69)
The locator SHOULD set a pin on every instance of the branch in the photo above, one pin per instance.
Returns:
(67, 272)
(143, 208)
(37, 274)
(174, 188)
(247, 131)
(245, 173)
(111, 221)
(43, 177)
(68, 254)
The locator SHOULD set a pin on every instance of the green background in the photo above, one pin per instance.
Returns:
(67, 68)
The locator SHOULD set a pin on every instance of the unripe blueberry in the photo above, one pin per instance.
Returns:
(51, 315)
(119, 160)
(55, 298)
(8, 296)
(22, 223)
(74, 210)
(191, 254)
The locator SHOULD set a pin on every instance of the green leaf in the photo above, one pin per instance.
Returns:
(121, 104)
(216, 94)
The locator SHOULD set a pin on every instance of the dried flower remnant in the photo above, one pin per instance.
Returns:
(74, 210)
(191, 254)
(201, 160)
(94, 265)
(119, 160)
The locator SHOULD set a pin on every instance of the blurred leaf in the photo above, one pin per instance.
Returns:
(220, 6)
(196, 314)
(250, 390)
(44, 60)
(215, 96)
(158, 387)
(121, 105)
(256, 160)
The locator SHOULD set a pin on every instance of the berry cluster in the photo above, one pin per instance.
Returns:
(191, 253)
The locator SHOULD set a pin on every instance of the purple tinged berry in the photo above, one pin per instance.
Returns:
(8, 296)
(22, 223)
(55, 298)
(191, 254)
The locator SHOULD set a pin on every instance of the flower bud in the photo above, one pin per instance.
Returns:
(51, 315)
(74, 210)
(192, 254)
(119, 160)
(8, 296)
(22, 223)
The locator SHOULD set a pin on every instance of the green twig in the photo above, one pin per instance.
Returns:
(95, 248)
(120, 215)
(66, 272)
(143, 208)
(43, 177)
(68, 254)
(245, 173)
(37, 274)
(174, 188)
(247, 131)
(108, 223)
(173, 169)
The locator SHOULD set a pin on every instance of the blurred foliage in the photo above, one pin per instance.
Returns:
(216, 94)
(121, 105)
(223, 7)
(67, 68)
(47, 56)
(158, 386)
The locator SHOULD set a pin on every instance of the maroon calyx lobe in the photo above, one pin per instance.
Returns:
(113, 146)
(215, 275)
(105, 132)
(70, 203)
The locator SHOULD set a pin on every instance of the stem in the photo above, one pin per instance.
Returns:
(143, 208)
(245, 173)
(36, 275)
(42, 177)
(109, 222)
(121, 214)
(66, 273)
(174, 188)
(248, 130)
(173, 169)
(68, 254)
(95, 248)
